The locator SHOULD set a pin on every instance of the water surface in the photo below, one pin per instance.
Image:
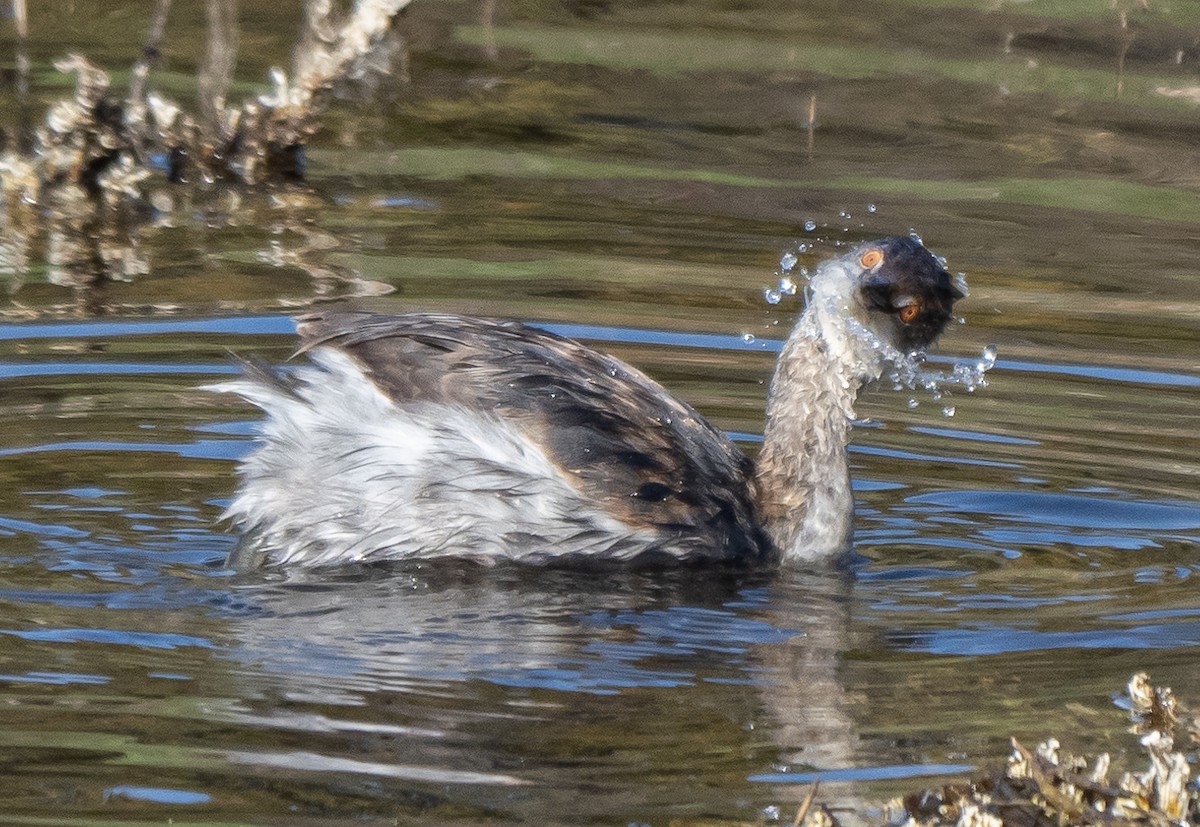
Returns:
(630, 174)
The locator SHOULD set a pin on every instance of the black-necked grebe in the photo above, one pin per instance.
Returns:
(427, 434)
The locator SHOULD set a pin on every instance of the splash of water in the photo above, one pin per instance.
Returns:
(910, 372)
(906, 371)
(903, 371)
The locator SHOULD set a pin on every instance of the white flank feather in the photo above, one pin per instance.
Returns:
(343, 474)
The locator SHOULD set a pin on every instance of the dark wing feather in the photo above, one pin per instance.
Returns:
(622, 439)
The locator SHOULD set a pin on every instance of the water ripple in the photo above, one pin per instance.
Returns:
(141, 640)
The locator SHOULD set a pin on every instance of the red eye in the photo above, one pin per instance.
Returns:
(908, 314)
(871, 259)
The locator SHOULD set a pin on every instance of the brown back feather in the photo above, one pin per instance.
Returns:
(618, 436)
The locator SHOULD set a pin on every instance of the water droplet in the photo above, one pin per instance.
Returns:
(802, 248)
(871, 208)
(948, 410)
(912, 402)
(748, 338)
(772, 296)
(960, 284)
(771, 812)
(787, 261)
(809, 225)
(987, 358)
(787, 287)
(842, 214)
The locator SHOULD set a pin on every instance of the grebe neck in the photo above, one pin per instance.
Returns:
(802, 477)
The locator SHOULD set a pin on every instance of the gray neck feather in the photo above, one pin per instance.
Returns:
(802, 477)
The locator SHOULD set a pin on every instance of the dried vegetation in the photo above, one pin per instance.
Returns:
(1048, 787)
(79, 184)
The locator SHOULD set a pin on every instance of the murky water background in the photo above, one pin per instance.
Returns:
(633, 171)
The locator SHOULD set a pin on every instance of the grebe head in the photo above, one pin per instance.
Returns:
(907, 288)
(883, 300)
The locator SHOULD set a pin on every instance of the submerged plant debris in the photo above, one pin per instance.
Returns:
(106, 143)
(78, 185)
(1049, 786)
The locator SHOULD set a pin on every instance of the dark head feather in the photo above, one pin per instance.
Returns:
(910, 285)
